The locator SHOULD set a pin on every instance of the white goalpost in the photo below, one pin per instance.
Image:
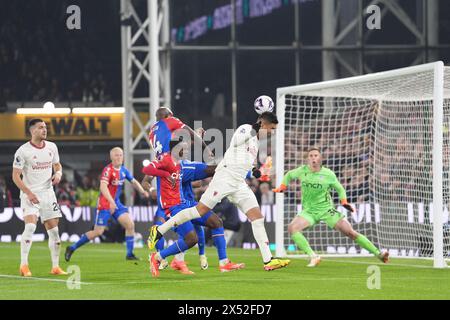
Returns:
(387, 138)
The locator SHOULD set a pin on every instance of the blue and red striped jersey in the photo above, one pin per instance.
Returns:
(161, 134)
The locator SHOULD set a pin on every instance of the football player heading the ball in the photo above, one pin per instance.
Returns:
(229, 181)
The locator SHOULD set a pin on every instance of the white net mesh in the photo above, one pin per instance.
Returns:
(377, 137)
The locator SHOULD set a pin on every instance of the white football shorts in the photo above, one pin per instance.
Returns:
(46, 209)
(225, 184)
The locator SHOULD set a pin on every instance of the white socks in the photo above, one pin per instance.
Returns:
(259, 232)
(54, 244)
(25, 243)
(180, 218)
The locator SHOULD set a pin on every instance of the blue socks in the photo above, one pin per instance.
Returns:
(176, 247)
(83, 240)
(201, 239)
(130, 245)
(220, 243)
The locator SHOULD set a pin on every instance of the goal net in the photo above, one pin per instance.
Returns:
(387, 138)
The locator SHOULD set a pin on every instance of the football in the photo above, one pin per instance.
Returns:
(263, 104)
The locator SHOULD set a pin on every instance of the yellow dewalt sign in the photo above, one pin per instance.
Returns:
(13, 127)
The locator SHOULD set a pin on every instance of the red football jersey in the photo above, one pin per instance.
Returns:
(168, 195)
(115, 179)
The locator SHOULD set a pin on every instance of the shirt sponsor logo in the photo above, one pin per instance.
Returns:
(42, 165)
(312, 185)
(177, 176)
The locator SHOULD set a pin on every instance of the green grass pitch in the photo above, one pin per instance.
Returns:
(106, 275)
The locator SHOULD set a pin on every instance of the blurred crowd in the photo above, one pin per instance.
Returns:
(85, 194)
(6, 198)
(374, 153)
(33, 68)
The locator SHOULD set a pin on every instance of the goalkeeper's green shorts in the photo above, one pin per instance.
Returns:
(330, 217)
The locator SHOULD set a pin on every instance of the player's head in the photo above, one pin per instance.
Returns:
(314, 157)
(38, 129)
(116, 155)
(269, 123)
(163, 113)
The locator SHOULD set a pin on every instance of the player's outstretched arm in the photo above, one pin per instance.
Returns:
(139, 188)
(341, 193)
(147, 183)
(288, 177)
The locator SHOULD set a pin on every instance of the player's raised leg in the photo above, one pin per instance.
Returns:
(346, 228)
(219, 188)
(295, 229)
(156, 232)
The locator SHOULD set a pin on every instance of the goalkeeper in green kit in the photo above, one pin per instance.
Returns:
(317, 205)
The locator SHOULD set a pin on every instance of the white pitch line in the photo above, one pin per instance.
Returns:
(380, 263)
(42, 279)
